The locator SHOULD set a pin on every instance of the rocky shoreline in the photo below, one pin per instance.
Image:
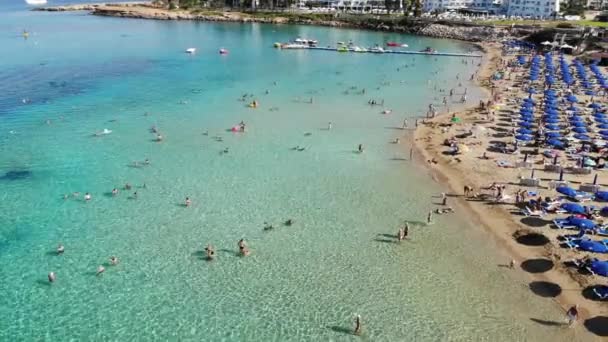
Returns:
(464, 32)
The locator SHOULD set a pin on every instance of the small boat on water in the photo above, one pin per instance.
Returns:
(223, 51)
(310, 42)
(376, 49)
(342, 49)
(293, 46)
(429, 50)
(358, 49)
(35, 2)
(393, 44)
(191, 50)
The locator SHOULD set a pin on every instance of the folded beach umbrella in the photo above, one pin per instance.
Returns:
(555, 143)
(579, 130)
(524, 137)
(595, 105)
(527, 104)
(599, 267)
(531, 90)
(525, 124)
(582, 137)
(555, 127)
(566, 190)
(573, 109)
(526, 110)
(601, 196)
(576, 118)
(573, 208)
(525, 131)
(579, 125)
(603, 126)
(553, 134)
(593, 246)
(581, 223)
(551, 111)
(526, 117)
(552, 120)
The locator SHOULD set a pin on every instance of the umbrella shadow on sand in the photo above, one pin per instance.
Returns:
(531, 239)
(597, 325)
(545, 289)
(537, 265)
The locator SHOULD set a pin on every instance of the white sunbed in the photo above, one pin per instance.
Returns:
(532, 213)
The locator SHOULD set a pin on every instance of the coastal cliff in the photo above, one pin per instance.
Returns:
(465, 32)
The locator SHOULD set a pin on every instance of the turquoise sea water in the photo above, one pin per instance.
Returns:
(302, 283)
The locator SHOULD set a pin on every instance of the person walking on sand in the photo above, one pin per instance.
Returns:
(572, 315)
(512, 264)
(357, 325)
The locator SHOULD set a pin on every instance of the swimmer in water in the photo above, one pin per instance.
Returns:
(159, 138)
(135, 195)
(188, 202)
(127, 186)
(114, 192)
(100, 270)
(114, 261)
(147, 161)
(210, 252)
(52, 277)
(60, 249)
(243, 248)
(329, 126)
(289, 222)
(87, 197)
(357, 325)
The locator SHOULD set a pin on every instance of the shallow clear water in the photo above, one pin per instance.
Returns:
(303, 282)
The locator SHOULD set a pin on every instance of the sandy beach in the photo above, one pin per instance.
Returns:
(503, 221)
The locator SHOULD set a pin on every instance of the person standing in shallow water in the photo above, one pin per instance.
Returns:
(357, 325)
(429, 218)
(360, 148)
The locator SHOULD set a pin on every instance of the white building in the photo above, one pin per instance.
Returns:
(489, 6)
(538, 9)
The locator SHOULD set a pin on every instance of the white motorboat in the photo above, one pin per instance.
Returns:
(294, 46)
(191, 50)
(35, 2)
(306, 41)
(377, 49)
